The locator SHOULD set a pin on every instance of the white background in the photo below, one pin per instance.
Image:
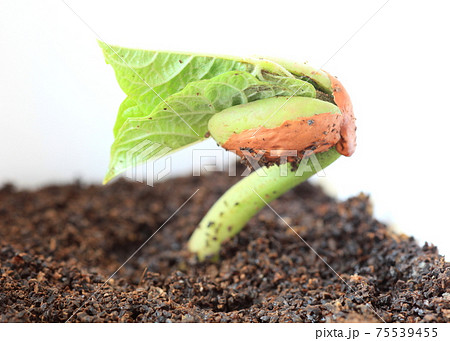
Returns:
(58, 99)
(218, 331)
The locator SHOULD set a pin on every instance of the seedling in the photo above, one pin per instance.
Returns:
(277, 112)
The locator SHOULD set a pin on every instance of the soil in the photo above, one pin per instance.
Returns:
(59, 244)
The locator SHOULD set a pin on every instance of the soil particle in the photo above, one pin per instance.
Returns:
(58, 245)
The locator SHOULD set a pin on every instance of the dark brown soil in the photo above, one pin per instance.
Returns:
(58, 245)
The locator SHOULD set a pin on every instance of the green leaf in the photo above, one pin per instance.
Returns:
(149, 77)
(166, 72)
(128, 109)
(172, 95)
(302, 70)
(183, 118)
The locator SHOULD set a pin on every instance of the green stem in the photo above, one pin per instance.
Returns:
(242, 201)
